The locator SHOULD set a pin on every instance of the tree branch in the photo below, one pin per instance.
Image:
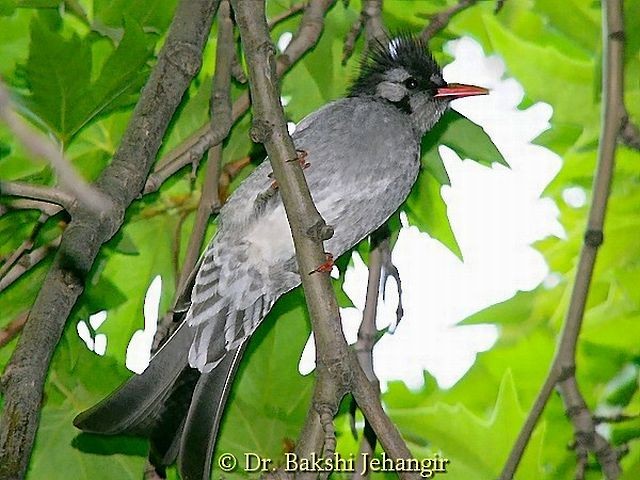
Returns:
(294, 10)
(27, 244)
(41, 147)
(562, 371)
(337, 367)
(367, 337)
(37, 192)
(9, 332)
(26, 263)
(122, 181)
(371, 20)
(192, 148)
(630, 134)
(441, 19)
(220, 119)
(46, 208)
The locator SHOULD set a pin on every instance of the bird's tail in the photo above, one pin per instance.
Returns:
(177, 407)
(135, 406)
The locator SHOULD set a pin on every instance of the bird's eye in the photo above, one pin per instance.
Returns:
(411, 83)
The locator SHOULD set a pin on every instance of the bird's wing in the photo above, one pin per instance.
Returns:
(356, 181)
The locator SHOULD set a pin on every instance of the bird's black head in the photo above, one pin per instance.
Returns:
(403, 72)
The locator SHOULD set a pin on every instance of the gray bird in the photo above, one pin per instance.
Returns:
(364, 156)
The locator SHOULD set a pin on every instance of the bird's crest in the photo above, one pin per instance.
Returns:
(405, 50)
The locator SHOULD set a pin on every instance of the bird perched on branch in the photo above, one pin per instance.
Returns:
(363, 156)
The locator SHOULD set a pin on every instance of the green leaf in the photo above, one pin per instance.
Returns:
(547, 73)
(152, 16)
(59, 70)
(135, 273)
(426, 209)
(60, 454)
(38, 3)
(462, 436)
(535, 306)
(14, 40)
(466, 138)
(75, 381)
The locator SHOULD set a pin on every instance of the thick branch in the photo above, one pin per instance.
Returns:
(336, 364)
(122, 181)
(562, 370)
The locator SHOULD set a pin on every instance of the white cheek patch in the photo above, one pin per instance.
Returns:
(391, 91)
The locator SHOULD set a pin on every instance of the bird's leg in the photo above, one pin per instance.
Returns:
(326, 267)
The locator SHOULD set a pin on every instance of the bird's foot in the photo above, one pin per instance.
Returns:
(274, 183)
(326, 267)
(301, 158)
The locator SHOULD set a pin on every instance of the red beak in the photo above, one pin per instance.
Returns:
(459, 90)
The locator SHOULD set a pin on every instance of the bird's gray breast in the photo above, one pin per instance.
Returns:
(364, 159)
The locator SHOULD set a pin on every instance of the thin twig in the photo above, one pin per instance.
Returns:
(441, 19)
(220, 119)
(46, 208)
(351, 39)
(237, 72)
(562, 371)
(229, 172)
(12, 330)
(367, 337)
(293, 10)
(27, 262)
(27, 244)
(122, 181)
(41, 147)
(370, 20)
(37, 192)
(74, 7)
(630, 133)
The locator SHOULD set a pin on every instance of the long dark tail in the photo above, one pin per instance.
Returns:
(178, 408)
(203, 420)
(134, 407)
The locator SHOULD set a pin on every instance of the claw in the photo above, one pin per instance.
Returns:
(274, 184)
(326, 267)
(301, 158)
